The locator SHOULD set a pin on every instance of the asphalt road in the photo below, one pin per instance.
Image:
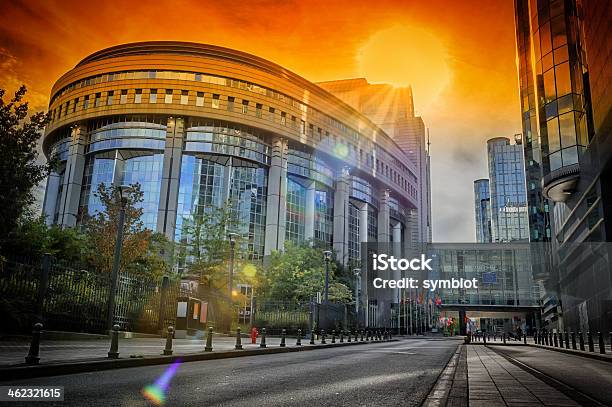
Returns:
(378, 374)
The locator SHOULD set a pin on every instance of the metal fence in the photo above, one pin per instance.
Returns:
(278, 315)
(67, 297)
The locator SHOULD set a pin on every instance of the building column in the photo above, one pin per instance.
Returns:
(363, 223)
(397, 239)
(276, 206)
(341, 213)
(73, 177)
(168, 197)
(51, 191)
(384, 218)
(309, 217)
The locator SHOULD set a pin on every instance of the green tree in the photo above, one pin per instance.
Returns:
(205, 248)
(19, 171)
(297, 274)
(31, 238)
(141, 248)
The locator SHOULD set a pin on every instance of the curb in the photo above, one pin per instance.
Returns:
(27, 372)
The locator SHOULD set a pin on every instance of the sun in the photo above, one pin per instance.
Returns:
(406, 56)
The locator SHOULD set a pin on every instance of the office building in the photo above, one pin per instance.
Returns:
(199, 126)
(563, 54)
(392, 109)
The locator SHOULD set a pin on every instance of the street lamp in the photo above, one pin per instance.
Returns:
(357, 273)
(232, 240)
(327, 257)
(123, 199)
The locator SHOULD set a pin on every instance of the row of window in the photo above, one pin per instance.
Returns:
(169, 97)
(221, 81)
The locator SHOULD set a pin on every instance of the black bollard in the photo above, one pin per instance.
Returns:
(262, 343)
(504, 338)
(566, 340)
(525, 338)
(560, 339)
(610, 337)
(356, 335)
(389, 335)
(581, 339)
(113, 353)
(535, 337)
(348, 334)
(208, 347)
(333, 336)
(283, 338)
(550, 335)
(484, 339)
(312, 337)
(299, 338)
(555, 341)
(34, 353)
(590, 340)
(238, 340)
(341, 336)
(369, 336)
(169, 335)
(362, 335)
(573, 340)
(323, 337)
(602, 346)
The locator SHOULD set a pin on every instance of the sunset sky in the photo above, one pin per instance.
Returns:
(458, 56)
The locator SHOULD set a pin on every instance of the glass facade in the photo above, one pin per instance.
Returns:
(206, 184)
(354, 249)
(482, 206)
(296, 211)
(504, 274)
(509, 220)
(324, 217)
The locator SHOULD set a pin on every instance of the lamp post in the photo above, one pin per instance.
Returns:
(357, 273)
(123, 198)
(327, 257)
(232, 241)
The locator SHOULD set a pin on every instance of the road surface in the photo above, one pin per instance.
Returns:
(378, 374)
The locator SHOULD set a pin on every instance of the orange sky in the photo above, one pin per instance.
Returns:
(473, 42)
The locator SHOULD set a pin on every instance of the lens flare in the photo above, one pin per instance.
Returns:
(340, 151)
(156, 392)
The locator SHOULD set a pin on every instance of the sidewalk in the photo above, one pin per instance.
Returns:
(493, 381)
(13, 353)
(589, 376)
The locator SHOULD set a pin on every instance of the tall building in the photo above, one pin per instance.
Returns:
(508, 201)
(563, 54)
(392, 109)
(199, 126)
(482, 210)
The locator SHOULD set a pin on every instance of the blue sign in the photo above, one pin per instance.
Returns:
(489, 278)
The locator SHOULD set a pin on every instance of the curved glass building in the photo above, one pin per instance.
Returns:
(199, 125)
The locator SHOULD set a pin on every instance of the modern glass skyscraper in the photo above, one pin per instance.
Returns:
(563, 55)
(507, 190)
(482, 210)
